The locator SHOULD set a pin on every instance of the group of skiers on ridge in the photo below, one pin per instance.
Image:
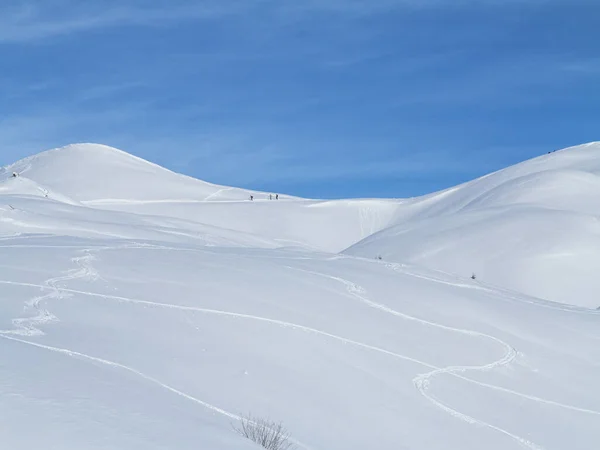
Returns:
(270, 197)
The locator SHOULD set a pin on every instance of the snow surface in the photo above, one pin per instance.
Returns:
(149, 311)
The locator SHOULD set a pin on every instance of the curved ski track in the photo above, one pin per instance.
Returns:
(508, 294)
(27, 326)
(422, 382)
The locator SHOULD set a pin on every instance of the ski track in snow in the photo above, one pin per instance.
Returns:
(508, 295)
(423, 381)
(230, 314)
(27, 327)
(454, 373)
(120, 366)
(106, 362)
(214, 194)
(400, 268)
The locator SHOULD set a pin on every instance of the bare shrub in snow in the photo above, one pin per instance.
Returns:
(268, 434)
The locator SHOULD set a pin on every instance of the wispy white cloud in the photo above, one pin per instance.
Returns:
(590, 66)
(33, 20)
(104, 91)
(37, 19)
(376, 6)
(239, 157)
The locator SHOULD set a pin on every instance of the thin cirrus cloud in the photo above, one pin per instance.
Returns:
(37, 19)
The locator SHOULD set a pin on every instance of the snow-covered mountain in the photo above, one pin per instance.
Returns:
(98, 173)
(142, 309)
(533, 227)
(108, 179)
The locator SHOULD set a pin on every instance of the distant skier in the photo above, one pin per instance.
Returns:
(270, 196)
(252, 198)
(15, 174)
(276, 196)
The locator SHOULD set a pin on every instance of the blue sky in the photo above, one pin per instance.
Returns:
(318, 98)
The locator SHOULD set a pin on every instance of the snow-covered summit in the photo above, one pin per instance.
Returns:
(93, 172)
(556, 180)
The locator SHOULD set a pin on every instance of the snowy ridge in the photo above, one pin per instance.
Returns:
(517, 228)
(89, 172)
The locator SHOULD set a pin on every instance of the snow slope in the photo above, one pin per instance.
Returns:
(534, 228)
(92, 172)
(132, 345)
(139, 318)
(24, 187)
(322, 225)
(109, 179)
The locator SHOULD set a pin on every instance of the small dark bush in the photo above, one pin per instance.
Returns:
(268, 434)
